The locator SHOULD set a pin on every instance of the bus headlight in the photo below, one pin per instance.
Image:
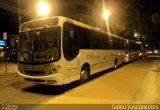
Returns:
(52, 71)
(58, 67)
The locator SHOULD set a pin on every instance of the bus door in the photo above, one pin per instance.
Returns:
(70, 51)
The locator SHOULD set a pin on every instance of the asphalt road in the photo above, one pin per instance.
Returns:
(137, 82)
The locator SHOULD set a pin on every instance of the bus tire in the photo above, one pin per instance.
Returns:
(85, 74)
(115, 64)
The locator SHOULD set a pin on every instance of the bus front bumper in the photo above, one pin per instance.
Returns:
(55, 79)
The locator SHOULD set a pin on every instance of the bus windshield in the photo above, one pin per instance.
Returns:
(39, 24)
(39, 45)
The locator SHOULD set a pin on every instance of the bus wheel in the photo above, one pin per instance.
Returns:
(84, 75)
(115, 64)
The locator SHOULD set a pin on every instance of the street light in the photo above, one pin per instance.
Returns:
(136, 35)
(106, 15)
(43, 8)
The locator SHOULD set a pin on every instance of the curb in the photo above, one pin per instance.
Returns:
(6, 74)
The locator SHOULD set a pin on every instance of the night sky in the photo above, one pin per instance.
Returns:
(8, 19)
(9, 16)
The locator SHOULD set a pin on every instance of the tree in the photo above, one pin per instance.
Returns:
(155, 30)
(155, 20)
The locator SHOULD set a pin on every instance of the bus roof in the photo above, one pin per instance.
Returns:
(68, 20)
(76, 23)
(89, 27)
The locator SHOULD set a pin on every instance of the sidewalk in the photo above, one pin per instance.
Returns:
(135, 83)
(11, 68)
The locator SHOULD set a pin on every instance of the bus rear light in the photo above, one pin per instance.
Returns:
(51, 81)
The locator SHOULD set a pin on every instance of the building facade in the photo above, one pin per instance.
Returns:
(86, 11)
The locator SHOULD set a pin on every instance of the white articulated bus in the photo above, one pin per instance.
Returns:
(58, 50)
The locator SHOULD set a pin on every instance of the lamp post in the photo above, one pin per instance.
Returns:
(19, 14)
(43, 8)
